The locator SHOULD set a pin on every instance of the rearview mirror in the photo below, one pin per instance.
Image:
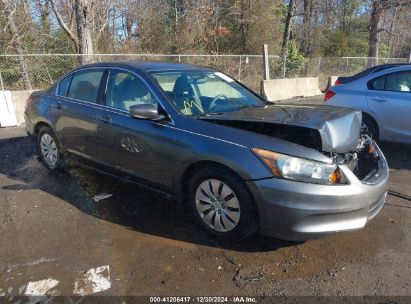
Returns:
(145, 111)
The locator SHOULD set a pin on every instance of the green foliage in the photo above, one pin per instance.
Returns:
(339, 44)
(295, 60)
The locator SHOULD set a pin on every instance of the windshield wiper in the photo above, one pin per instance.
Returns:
(208, 114)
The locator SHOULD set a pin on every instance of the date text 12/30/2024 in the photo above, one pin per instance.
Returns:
(182, 299)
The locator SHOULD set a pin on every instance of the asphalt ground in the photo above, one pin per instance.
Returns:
(56, 238)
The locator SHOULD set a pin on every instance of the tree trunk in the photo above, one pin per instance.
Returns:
(392, 31)
(374, 30)
(129, 28)
(16, 42)
(286, 36)
(307, 27)
(83, 9)
(244, 24)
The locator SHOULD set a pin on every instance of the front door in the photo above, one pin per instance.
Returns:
(135, 146)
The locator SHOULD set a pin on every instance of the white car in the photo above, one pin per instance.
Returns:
(384, 97)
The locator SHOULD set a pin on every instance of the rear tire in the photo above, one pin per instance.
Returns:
(48, 148)
(221, 204)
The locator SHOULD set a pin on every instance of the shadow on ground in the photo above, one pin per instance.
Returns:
(131, 206)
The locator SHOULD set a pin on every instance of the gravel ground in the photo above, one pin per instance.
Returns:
(53, 232)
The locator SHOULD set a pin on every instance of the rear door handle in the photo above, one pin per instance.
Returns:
(377, 99)
(106, 119)
(59, 105)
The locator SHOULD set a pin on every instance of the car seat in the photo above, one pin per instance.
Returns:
(184, 97)
(85, 90)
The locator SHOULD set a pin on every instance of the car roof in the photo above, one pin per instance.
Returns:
(372, 70)
(146, 66)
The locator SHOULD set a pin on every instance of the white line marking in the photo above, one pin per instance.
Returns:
(39, 261)
(40, 288)
(94, 280)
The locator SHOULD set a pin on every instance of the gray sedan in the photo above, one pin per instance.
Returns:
(238, 163)
(383, 94)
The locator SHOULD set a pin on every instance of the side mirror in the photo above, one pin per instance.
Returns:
(145, 111)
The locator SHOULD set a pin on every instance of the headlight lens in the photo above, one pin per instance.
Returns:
(298, 169)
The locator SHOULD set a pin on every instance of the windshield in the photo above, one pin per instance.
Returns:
(197, 93)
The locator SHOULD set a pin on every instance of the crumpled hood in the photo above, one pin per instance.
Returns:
(339, 128)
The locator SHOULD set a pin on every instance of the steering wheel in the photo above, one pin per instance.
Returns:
(214, 101)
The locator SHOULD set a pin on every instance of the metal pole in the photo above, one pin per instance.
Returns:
(409, 56)
(265, 62)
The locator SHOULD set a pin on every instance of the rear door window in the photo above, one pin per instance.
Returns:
(85, 85)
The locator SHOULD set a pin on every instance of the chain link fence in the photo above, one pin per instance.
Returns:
(43, 69)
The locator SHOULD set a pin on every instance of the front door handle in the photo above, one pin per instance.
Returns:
(106, 119)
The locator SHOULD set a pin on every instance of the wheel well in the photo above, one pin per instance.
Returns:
(368, 116)
(193, 168)
(38, 126)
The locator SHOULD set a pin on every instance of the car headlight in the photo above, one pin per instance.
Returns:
(298, 169)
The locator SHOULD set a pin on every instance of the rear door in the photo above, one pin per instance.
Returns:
(77, 111)
(389, 97)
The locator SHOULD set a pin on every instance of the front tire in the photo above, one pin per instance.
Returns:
(369, 127)
(221, 204)
(48, 148)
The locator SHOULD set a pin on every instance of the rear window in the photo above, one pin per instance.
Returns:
(377, 83)
(64, 85)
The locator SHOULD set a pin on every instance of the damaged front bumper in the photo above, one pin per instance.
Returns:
(300, 211)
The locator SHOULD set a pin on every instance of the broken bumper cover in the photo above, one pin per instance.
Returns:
(300, 211)
(28, 124)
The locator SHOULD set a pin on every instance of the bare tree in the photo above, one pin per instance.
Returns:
(84, 20)
(16, 41)
(378, 10)
(66, 28)
(83, 9)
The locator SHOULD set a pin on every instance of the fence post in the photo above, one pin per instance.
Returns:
(265, 62)
(409, 56)
(239, 70)
(319, 66)
(346, 68)
(1, 84)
